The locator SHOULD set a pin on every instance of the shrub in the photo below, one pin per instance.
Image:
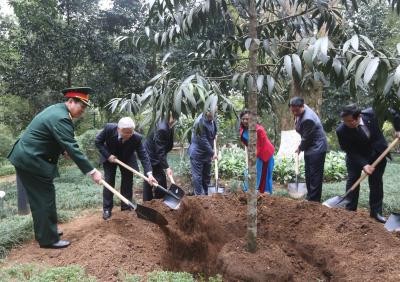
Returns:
(334, 169)
(86, 144)
(232, 162)
(6, 141)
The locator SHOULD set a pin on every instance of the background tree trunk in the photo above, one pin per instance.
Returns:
(252, 193)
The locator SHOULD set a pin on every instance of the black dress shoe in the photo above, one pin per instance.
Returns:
(380, 218)
(57, 245)
(106, 214)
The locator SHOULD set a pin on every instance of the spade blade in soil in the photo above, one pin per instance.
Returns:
(150, 215)
(336, 202)
(297, 190)
(393, 222)
(215, 190)
(178, 191)
(171, 202)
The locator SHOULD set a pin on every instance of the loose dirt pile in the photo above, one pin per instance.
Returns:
(297, 241)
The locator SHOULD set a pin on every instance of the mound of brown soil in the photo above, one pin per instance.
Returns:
(297, 241)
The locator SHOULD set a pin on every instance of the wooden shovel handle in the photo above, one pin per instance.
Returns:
(144, 177)
(171, 178)
(216, 160)
(131, 169)
(118, 194)
(374, 164)
(296, 163)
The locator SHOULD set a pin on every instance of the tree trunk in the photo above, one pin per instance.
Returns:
(252, 194)
(312, 95)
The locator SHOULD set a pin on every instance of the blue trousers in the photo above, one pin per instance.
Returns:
(201, 175)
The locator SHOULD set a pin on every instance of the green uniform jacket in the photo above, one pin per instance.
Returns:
(48, 135)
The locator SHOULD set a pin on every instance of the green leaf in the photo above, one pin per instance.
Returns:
(346, 46)
(369, 42)
(398, 48)
(235, 78)
(156, 77)
(241, 80)
(178, 101)
(361, 69)
(188, 91)
(388, 84)
(266, 46)
(371, 69)
(270, 84)
(147, 31)
(354, 42)
(337, 66)
(307, 57)
(247, 43)
(260, 82)
(353, 62)
(324, 45)
(157, 38)
(297, 63)
(165, 58)
(288, 65)
(188, 79)
(397, 75)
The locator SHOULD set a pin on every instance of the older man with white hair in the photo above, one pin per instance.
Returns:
(120, 141)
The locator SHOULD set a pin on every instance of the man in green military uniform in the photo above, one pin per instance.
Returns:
(35, 156)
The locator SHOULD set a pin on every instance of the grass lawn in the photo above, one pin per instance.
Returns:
(391, 180)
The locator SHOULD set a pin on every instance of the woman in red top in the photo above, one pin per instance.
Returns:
(265, 153)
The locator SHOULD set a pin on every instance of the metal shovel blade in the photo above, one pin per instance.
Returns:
(393, 222)
(171, 202)
(297, 190)
(150, 215)
(215, 190)
(178, 191)
(336, 202)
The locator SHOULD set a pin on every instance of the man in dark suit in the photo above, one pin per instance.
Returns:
(361, 138)
(120, 141)
(201, 151)
(35, 156)
(159, 142)
(313, 143)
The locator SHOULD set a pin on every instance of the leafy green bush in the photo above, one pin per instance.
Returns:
(6, 141)
(38, 273)
(284, 170)
(86, 144)
(231, 162)
(334, 169)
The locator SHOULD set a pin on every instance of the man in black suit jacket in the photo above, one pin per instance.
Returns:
(313, 143)
(361, 138)
(159, 142)
(120, 141)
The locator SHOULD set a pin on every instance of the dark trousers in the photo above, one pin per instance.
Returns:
(201, 175)
(160, 176)
(110, 170)
(375, 186)
(314, 172)
(42, 201)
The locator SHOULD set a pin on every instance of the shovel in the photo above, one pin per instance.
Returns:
(216, 188)
(141, 211)
(297, 190)
(341, 201)
(172, 198)
(393, 222)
